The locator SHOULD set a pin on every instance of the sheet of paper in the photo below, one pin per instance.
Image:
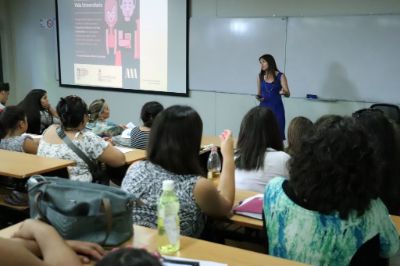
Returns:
(123, 149)
(201, 262)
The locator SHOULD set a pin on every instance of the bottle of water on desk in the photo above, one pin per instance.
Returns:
(213, 163)
(168, 219)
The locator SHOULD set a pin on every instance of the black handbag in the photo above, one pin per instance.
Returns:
(98, 173)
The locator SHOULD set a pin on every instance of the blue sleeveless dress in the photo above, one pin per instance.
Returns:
(273, 100)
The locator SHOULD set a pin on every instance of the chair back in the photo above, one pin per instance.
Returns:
(368, 254)
(391, 111)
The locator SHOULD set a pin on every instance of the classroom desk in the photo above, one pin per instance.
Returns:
(195, 249)
(243, 220)
(137, 155)
(22, 165)
(257, 224)
(396, 221)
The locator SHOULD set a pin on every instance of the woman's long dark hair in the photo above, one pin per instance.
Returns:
(382, 135)
(272, 68)
(9, 119)
(259, 130)
(175, 139)
(335, 170)
(32, 107)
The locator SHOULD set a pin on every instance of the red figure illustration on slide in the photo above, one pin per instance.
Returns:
(128, 54)
(111, 18)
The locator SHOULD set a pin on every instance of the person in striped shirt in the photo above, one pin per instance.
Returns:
(140, 135)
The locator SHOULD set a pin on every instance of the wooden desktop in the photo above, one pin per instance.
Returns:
(194, 249)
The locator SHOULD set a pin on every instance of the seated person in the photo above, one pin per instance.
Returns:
(382, 133)
(99, 112)
(298, 127)
(130, 257)
(39, 111)
(173, 154)
(4, 93)
(140, 135)
(37, 243)
(330, 207)
(13, 123)
(74, 116)
(259, 155)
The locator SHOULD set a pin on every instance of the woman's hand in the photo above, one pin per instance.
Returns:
(86, 250)
(226, 143)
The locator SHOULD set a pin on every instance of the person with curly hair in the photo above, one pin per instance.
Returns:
(330, 207)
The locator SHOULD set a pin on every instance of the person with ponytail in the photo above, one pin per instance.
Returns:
(74, 116)
(13, 123)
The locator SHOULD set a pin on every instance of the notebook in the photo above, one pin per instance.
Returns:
(251, 207)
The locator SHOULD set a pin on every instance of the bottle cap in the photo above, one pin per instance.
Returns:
(168, 185)
(214, 148)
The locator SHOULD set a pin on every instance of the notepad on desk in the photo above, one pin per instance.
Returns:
(251, 207)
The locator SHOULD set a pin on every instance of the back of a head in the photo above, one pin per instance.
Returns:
(72, 110)
(383, 137)
(298, 127)
(4, 86)
(9, 119)
(335, 170)
(259, 130)
(379, 129)
(175, 140)
(129, 257)
(149, 112)
(95, 109)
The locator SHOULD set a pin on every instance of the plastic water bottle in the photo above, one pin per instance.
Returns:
(213, 163)
(168, 219)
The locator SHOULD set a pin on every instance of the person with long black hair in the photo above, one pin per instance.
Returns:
(259, 155)
(39, 111)
(271, 85)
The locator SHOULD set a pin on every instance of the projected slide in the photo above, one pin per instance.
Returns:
(123, 44)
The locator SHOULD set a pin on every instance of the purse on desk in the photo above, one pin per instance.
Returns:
(82, 211)
(98, 174)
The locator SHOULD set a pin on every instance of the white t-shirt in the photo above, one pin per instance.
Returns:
(275, 164)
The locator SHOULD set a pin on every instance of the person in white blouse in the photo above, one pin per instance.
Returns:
(259, 156)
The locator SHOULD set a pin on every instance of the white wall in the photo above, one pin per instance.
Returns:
(30, 61)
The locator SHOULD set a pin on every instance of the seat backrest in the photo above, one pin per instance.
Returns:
(391, 111)
(368, 254)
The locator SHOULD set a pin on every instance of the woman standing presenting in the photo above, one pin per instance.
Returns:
(271, 84)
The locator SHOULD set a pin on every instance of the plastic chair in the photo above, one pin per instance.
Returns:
(391, 111)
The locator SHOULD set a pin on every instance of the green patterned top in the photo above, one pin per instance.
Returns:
(104, 128)
(307, 236)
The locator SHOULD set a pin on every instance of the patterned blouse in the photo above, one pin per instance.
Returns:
(307, 236)
(144, 180)
(104, 128)
(47, 119)
(14, 143)
(92, 145)
(139, 138)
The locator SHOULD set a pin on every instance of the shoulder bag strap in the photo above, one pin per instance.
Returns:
(74, 148)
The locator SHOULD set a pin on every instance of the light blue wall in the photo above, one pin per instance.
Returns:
(30, 61)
